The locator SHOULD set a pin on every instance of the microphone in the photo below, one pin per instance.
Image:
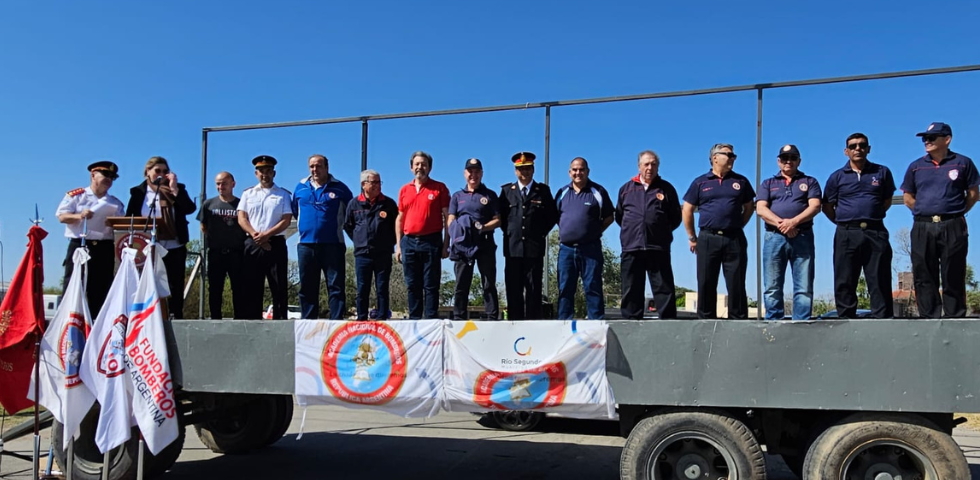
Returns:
(158, 181)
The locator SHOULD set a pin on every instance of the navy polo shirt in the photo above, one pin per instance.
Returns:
(939, 187)
(860, 196)
(580, 214)
(480, 204)
(788, 198)
(719, 200)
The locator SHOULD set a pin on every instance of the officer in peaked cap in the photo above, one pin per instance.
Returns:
(84, 212)
(264, 212)
(527, 214)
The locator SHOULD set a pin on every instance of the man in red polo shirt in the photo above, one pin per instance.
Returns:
(423, 239)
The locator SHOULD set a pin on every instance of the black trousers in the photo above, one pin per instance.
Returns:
(101, 268)
(486, 260)
(869, 249)
(522, 277)
(939, 255)
(636, 267)
(176, 264)
(259, 264)
(729, 252)
(222, 262)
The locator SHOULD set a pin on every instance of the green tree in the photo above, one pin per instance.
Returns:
(679, 295)
(864, 298)
(611, 279)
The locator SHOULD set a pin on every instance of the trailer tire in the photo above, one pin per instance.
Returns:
(905, 445)
(709, 444)
(517, 420)
(241, 428)
(123, 460)
(282, 407)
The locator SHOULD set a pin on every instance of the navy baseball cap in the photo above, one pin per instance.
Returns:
(936, 128)
(789, 150)
(474, 163)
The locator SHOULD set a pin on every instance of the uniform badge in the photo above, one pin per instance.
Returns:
(931, 127)
(484, 200)
(787, 148)
(954, 174)
(332, 195)
(737, 186)
(803, 187)
(660, 196)
(383, 214)
(432, 197)
(513, 187)
(874, 181)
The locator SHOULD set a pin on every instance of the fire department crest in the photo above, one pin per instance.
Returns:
(803, 187)
(6, 318)
(737, 186)
(484, 201)
(953, 175)
(332, 195)
(383, 214)
(660, 196)
(431, 196)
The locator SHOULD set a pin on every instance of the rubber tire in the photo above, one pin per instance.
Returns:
(750, 463)
(246, 427)
(282, 406)
(826, 456)
(123, 460)
(507, 420)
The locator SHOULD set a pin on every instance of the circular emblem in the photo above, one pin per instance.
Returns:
(364, 363)
(139, 242)
(540, 387)
(484, 200)
(803, 187)
(383, 214)
(787, 148)
(660, 196)
(954, 174)
(111, 355)
(477, 225)
(70, 347)
(332, 195)
(431, 196)
(737, 186)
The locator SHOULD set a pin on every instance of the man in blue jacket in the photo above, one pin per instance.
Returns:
(370, 224)
(647, 211)
(320, 204)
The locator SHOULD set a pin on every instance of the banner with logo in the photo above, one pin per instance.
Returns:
(546, 366)
(394, 366)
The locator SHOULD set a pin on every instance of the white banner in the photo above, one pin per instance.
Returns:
(393, 366)
(546, 366)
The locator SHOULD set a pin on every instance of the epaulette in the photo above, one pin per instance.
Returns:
(506, 184)
(76, 192)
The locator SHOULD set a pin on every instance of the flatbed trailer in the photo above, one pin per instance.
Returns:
(697, 399)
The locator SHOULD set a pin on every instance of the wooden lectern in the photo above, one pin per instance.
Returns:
(135, 232)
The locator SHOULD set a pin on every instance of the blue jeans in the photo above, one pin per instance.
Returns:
(366, 267)
(422, 262)
(583, 261)
(328, 258)
(777, 251)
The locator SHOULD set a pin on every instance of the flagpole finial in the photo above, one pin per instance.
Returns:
(37, 217)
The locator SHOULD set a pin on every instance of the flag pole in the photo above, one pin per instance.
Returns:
(38, 303)
(153, 253)
(70, 460)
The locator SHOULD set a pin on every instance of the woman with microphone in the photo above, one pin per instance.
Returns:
(161, 196)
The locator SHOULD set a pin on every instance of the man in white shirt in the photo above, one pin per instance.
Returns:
(264, 212)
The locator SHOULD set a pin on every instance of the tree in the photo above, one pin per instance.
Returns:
(863, 297)
(612, 285)
(679, 296)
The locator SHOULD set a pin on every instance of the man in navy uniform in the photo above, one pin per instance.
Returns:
(264, 212)
(473, 211)
(527, 214)
(787, 202)
(647, 211)
(370, 224)
(856, 197)
(584, 212)
(724, 202)
(940, 187)
(84, 211)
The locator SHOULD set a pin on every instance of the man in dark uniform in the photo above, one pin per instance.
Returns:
(647, 211)
(225, 242)
(84, 212)
(473, 215)
(370, 224)
(264, 212)
(527, 214)
(940, 187)
(856, 197)
(724, 202)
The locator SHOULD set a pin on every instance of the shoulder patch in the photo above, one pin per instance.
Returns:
(76, 192)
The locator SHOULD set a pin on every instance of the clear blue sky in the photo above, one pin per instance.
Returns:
(85, 81)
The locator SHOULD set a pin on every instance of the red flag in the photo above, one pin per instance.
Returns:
(21, 321)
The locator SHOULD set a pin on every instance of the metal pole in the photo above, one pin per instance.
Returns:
(364, 133)
(547, 169)
(758, 220)
(203, 197)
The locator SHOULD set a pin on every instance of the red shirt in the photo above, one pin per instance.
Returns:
(422, 210)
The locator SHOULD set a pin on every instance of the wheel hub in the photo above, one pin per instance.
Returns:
(888, 460)
(691, 456)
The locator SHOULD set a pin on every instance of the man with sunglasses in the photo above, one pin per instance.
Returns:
(473, 216)
(855, 198)
(723, 199)
(370, 224)
(320, 204)
(787, 204)
(940, 187)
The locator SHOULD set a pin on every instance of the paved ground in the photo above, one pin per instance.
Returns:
(354, 444)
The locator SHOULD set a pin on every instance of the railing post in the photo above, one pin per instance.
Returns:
(758, 220)
(200, 204)
(364, 134)
(547, 169)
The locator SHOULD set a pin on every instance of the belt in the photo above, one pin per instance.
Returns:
(770, 228)
(937, 218)
(427, 235)
(91, 243)
(862, 224)
(730, 232)
(577, 244)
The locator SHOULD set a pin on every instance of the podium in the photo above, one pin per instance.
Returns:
(131, 232)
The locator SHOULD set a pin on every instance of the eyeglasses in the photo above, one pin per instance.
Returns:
(730, 155)
(789, 159)
(857, 146)
(372, 182)
(931, 138)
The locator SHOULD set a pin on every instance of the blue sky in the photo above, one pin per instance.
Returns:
(85, 81)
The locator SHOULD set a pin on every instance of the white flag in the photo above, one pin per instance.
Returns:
(148, 364)
(104, 364)
(61, 389)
